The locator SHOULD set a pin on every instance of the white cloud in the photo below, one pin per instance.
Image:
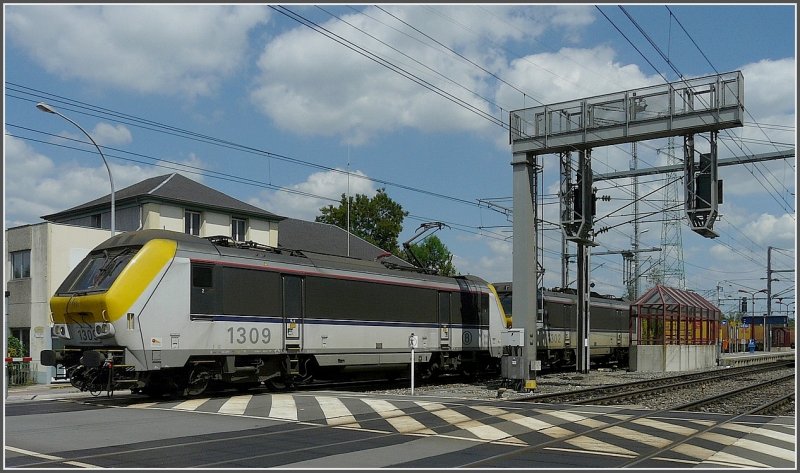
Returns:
(724, 254)
(107, 134)
(310, 84)
(40, 186)
(570, 74)
(162, 49)
(104, 134)
(770, 228)
(493, 266)
(770, 87)
(326, 185)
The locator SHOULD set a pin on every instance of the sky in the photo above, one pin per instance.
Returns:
(289, 107)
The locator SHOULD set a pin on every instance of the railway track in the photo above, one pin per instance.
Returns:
(766, 398)
(721, 391)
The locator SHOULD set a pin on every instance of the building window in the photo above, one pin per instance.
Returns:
(21, 264)
(24, 336)
(95, 221)
(237, 229)
(192, 223)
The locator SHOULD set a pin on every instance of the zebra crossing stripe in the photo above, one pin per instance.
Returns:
(710, 456)
(490, 410)
(398, 419)
(479, 429)
(385, 408)
(537, 425)
(141, 405)
(236, 405)
(775, 435)
(591, 423)
(191, 404)
(336, 413)
(594, 445)
(704, 423)
(636, 436)
(567, 416)
(759, 447)
(740, 428)
(448, 415)
(666, 426)
(283, 407)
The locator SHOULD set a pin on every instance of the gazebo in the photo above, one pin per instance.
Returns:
(673, 330)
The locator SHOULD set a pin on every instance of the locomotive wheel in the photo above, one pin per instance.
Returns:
(198, 381)
(279, 384)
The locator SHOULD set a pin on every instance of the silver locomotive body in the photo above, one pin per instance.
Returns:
(164, 312)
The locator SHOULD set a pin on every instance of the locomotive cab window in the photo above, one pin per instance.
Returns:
(98, 271)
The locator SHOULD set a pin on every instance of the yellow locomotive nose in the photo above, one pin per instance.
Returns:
(90, 308)
(106, 283)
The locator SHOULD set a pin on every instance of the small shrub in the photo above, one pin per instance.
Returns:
(15, 348)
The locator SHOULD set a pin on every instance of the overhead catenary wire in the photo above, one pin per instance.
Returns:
(175, 166)
(174, 131)
(681, 76)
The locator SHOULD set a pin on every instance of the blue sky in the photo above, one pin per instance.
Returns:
(258, 81)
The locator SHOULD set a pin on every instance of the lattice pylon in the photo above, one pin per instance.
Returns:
(670, 270)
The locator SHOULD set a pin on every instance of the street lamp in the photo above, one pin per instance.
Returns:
(753, 318)
(47, 108)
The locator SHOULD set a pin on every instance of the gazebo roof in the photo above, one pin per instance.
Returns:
(670, 296)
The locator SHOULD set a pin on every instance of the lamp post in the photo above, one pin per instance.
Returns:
(779, 300)
(47, 108)
(753, 318)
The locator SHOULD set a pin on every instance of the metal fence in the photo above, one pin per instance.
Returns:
(21, 373)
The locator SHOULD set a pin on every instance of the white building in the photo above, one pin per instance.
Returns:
(40, 256)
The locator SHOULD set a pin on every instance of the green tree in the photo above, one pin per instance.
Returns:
(379, 219)
(433, 254)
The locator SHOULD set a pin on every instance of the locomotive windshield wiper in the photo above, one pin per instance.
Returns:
(109, 266)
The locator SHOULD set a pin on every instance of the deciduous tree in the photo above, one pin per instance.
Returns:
(378, 220)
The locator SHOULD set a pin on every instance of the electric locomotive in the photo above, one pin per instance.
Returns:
(557, 322)
(162, 312)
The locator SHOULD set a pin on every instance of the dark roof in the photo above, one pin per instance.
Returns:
(673, 300)
(174, 188)
(328, 239)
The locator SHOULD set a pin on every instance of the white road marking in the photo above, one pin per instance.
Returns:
(50, 457)
(759, 447)
(236, 405)
(191, 404)
(336, 413)
(283, 407)
(142, 405)
(666, 426)
(479, 429)
(637, 436)
(398, 419)
(595, 445)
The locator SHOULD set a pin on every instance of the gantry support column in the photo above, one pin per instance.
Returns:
(584, 291)
(525, 262)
